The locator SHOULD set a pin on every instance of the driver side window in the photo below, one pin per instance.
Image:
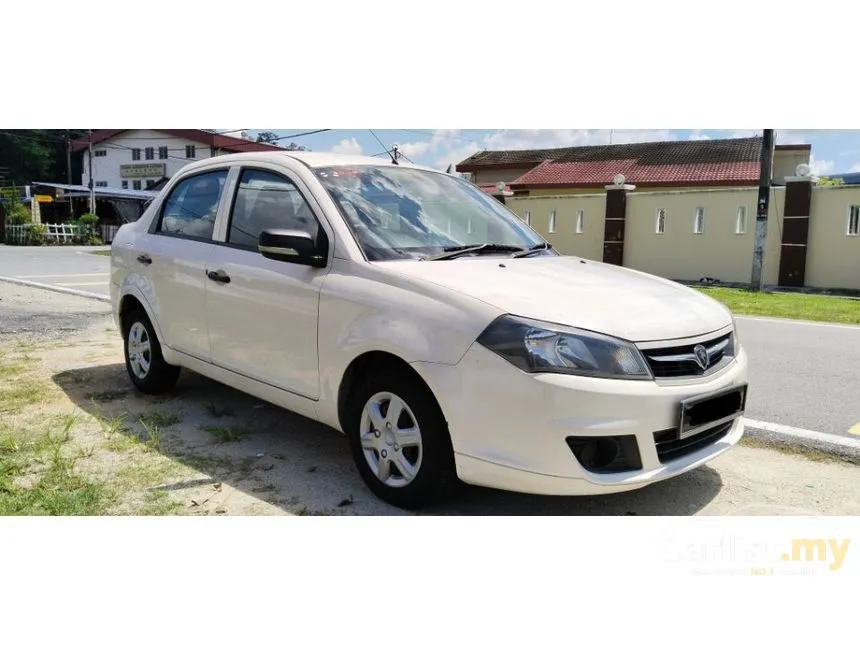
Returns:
(266, 200)
(191, 208)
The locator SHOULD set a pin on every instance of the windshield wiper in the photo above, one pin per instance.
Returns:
(543, 246)
(452, 252)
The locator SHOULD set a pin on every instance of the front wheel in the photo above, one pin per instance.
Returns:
(400, 442)
(145, 364)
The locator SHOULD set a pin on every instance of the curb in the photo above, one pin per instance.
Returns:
(50, 287)
(772, 434)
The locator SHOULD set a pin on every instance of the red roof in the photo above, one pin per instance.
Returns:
(712, 162)
(205, 137)
(601, 173)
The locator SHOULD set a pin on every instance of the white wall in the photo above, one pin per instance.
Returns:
(118, 151)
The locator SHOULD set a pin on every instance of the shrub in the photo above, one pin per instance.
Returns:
(37, 235)
(18, 215)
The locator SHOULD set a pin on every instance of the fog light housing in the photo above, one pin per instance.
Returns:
(603, 455)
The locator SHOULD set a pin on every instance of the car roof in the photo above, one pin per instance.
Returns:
(311, 159)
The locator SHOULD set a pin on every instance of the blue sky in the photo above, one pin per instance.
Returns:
(833, 151)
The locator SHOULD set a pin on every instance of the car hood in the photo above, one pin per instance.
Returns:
(581, 293)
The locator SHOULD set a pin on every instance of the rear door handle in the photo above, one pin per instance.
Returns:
(144, 259)
(218, 276)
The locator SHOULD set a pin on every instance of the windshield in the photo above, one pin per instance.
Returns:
(398, 213)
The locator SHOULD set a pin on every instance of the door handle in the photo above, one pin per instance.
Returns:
(144, 259)
(218, 276)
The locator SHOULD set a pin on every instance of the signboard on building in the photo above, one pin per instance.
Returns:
(138, 171)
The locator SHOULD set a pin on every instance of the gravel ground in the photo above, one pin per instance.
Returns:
(29, 314)
(282, 464)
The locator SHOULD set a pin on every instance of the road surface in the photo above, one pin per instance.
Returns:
(803, 375)
(69, 267)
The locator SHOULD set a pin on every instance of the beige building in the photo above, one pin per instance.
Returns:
(813, 232)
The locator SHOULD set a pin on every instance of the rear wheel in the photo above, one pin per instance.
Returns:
(399, 440)
(144, 361)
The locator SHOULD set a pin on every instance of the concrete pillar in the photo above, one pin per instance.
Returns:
(795, 231)
(614, 221)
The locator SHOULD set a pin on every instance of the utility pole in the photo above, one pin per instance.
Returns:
(761, 211)
(69, 169)
(90, 156)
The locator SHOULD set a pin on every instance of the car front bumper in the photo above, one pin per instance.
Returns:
(511, 430)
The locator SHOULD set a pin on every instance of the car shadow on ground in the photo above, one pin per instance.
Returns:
(304, 467)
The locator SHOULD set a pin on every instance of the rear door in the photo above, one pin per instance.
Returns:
(174, 256)
(263, 313)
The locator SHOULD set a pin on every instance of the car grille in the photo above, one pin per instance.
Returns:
(680, 362)
(670, 448)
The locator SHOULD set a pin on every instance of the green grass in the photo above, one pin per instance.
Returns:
(38, 477)
(224, 434)
(798, 306)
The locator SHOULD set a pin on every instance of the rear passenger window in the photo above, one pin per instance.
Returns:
(266, 200)
(191, 207)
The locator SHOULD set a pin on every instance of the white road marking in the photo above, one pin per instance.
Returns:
(101, 274)
(800, 433)
(790, 321)
(80, 284)
(51, 287)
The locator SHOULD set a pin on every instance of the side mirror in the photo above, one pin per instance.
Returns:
(296, 247)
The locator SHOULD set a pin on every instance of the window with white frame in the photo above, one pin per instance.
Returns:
(162, 152)
(699, 221)
(552, 221)
(125, 183)
(580, 221)
(660, 225)
(100, 153)
(101, 184)
(741, 221)
(135, 154)
(149, 153)
(853, 220)
(190, 152)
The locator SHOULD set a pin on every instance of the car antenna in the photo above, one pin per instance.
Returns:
(396, 154)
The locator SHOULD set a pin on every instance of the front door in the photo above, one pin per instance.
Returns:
(173, 258)
(263, 313)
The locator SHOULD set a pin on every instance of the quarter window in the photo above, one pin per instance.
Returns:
(192, 205)
(267, 200)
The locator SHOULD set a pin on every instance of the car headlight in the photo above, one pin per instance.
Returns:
(534, 346)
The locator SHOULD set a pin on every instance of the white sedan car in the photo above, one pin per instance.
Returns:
(407, 309)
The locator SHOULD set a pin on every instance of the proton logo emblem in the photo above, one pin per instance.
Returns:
(701, 355)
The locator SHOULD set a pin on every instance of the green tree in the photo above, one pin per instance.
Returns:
(830, 181)
(35, 155)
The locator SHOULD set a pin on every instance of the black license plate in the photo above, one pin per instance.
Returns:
(703, 413)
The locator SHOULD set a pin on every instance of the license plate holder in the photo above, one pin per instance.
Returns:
(702, 413)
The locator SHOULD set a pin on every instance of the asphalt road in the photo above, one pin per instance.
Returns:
(72, 267)
(802, 375)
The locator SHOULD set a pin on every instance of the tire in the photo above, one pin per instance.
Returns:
(159, 377)
(433, 477)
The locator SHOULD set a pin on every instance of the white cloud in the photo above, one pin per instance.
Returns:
(820, 167)
(347, 147)
(698, 135)
(855, 168)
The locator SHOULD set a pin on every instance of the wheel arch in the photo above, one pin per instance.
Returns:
(364, 364)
